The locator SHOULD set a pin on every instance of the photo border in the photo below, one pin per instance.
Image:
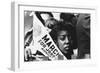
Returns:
(16, 64)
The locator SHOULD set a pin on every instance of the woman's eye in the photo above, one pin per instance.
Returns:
(62, 38)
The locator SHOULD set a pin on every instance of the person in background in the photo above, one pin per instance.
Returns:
(50, 23)
(83, 35)
(69, 18)
(29, 55)
(43, 16)
(46, 19)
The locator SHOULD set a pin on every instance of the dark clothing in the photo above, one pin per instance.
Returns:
(83, 35)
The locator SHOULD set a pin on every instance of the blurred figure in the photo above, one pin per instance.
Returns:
(28, 34)
(43, 16)
(47, 19)
(30, 52)
(50, 23)
(69, 18)
(83, 35)
(28, 39)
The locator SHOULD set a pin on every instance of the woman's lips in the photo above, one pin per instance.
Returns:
(66, 48)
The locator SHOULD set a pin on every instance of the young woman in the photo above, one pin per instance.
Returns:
(62, 34)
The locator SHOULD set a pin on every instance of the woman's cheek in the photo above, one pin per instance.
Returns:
(60, 44)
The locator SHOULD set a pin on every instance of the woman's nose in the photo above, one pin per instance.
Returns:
(66, 40)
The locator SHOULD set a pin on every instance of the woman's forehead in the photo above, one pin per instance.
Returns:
(63, 32)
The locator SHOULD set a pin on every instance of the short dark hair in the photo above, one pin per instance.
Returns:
(67, 16)
(59, 27)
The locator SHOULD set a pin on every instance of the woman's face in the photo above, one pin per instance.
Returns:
(63, 41)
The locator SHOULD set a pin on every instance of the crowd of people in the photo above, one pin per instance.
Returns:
(71, 33)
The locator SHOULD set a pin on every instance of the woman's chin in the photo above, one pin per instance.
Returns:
(65, 52)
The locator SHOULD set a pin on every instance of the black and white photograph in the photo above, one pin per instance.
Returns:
(50, 36)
